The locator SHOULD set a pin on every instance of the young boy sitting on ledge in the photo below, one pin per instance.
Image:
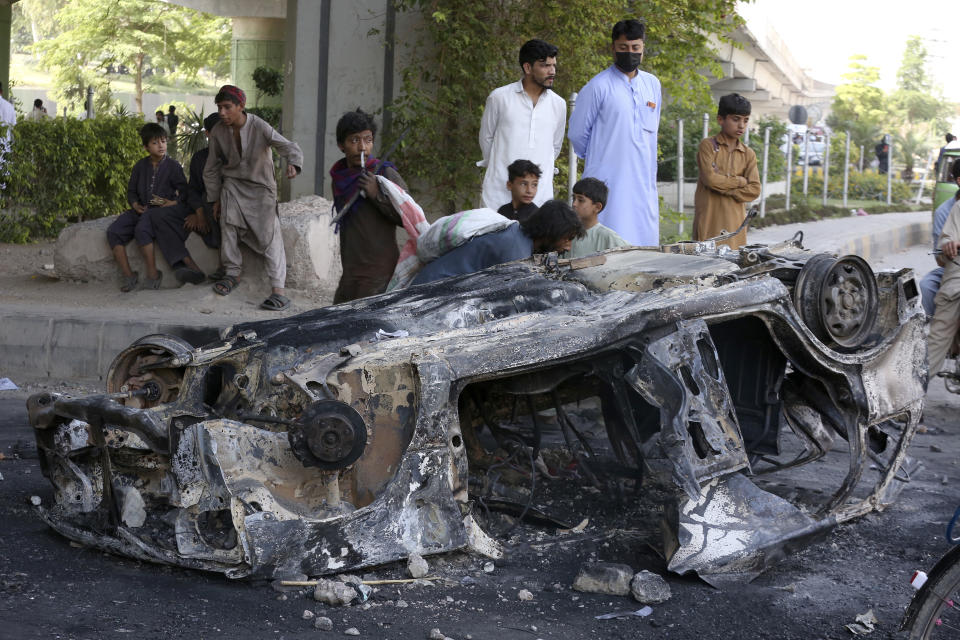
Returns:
(153, 191)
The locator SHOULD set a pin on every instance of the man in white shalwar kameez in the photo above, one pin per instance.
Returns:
(614, 128)
(523, 120)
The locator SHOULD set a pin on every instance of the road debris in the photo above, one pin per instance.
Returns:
(639, 613)
(604, 577)
(352, 631)
(649, 588)
(417, 567)
(323, 623)
(863, 624)
(525, 595)
(334, 593)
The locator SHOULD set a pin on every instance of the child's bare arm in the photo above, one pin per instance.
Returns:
(711, 174)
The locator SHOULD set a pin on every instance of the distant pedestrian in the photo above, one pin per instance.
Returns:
(172, 121)
(8, 118)
(614, 127)
(883, 154)
(38, 113)
(930, 283)
(524, 119)
(161, 120)
(728, 175)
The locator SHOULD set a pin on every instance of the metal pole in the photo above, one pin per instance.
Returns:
(573, 166)
(746, 135)
(861, 159)
(890, 173)
(763, 179)
(846, 169)
(706, 125)
(926, 168)
(680, 174)
(789, 169)
(90, 102)
(826, 171)
(806, 163)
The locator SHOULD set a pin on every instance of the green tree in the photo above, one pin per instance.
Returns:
(33, 21)
(916, 99)
(138, 36)
(859, 106)
(466, 48)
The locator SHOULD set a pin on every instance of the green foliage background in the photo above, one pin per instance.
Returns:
(468, 48)
(63, 170)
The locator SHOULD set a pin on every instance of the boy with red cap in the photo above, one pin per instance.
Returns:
(243, 191)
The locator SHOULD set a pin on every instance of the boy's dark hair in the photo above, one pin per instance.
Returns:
(159, 112)
(172, 109)
(520, 168)
(950, 138)
(633, 29)
(151, 131)
(210, 121)
(554, 221)
(533, 50)
(594, 189)
(39, 103)
(355, 122)
(733, 104)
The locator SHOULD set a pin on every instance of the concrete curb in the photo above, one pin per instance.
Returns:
(41, 346)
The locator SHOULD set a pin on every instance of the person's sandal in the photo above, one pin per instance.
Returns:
(225, 285)
(153, 283)
(217, 275)
(186, 274)
(129, 283)
(275, 302)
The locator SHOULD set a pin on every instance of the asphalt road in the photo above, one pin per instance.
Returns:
(50, 588)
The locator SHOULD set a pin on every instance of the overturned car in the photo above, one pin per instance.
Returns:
(344, 437)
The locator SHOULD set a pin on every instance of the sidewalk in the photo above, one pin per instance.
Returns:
(72, 331)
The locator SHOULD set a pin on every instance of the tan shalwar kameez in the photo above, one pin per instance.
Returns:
(728, 179)
(946, 318)
(242, 180)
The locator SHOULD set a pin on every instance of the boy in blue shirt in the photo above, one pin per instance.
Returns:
(156, 183)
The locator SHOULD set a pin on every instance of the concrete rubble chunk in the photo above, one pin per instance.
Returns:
(604, 577)
(525, 595)
(417, 566)
(311, 247)
(323, 623)
(649, 588)
(352, 631)
(435, 634)
(334, 593)
(308, 615)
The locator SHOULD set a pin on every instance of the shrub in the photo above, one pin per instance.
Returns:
(63, 170)
(861, 186)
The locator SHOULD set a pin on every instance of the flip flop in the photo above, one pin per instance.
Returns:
(186, 274)
(153, 283)
(275, 302)
(225, 285)
(129, 283)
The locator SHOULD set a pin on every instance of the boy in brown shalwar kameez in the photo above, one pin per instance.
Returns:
(728, 175)
(241, 185)
(367, 229)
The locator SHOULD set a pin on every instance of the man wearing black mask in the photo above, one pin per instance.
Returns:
(614, 127)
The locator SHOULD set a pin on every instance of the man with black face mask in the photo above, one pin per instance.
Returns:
(614, 128)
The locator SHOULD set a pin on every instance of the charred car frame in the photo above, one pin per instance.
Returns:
(343, 437)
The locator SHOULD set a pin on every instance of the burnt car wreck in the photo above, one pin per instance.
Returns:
(344, 437)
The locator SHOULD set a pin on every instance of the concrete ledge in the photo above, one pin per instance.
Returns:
(313, 251)
(77, 348)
